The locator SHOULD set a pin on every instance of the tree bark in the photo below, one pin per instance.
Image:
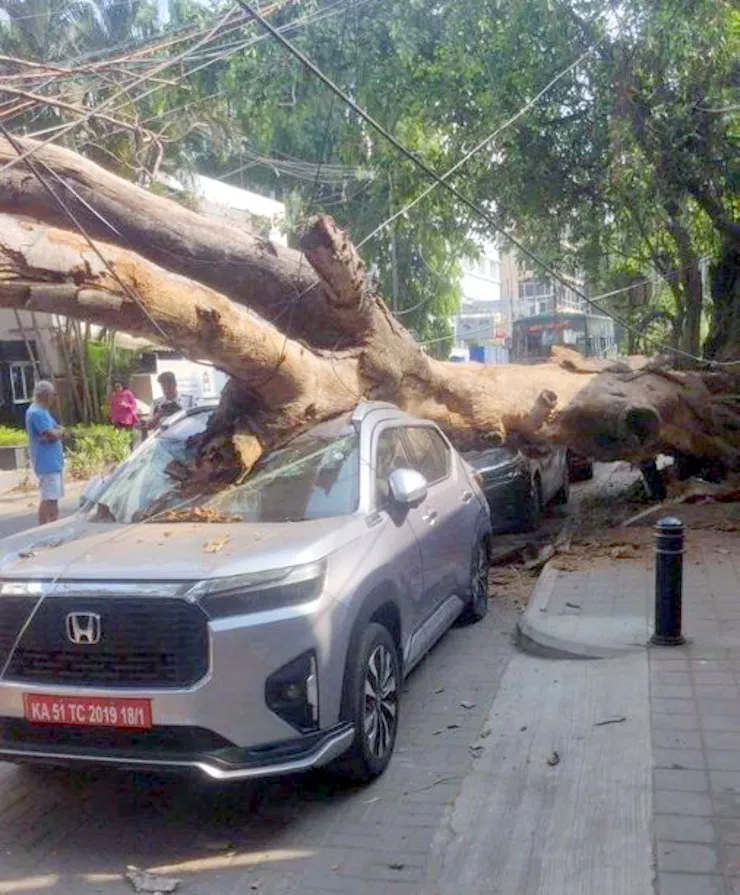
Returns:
(273, 280)
(303, 337)
(724, 339)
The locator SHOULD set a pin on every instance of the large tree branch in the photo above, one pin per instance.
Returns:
(714, 209)
(276, 282)
(281, 385)
(45, 269)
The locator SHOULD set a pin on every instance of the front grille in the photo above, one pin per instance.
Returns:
(144, 643)
(13, 613)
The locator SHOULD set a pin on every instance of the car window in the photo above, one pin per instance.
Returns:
(390, 455)
(429, 453)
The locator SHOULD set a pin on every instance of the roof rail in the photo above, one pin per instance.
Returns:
(365, 408)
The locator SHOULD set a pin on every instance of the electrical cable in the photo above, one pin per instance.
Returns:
(74, 125)
(81, 229)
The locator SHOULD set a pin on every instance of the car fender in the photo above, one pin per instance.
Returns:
(381, 603)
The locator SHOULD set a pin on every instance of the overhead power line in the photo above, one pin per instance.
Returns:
(181, 57)
(67, 211)
(430, 172)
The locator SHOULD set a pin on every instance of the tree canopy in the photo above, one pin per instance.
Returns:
(625, 168)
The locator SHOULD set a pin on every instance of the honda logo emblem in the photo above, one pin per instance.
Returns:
(83, 627)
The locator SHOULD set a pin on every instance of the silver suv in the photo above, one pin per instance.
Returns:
(259, 630)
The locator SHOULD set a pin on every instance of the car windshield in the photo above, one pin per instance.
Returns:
(313, 477)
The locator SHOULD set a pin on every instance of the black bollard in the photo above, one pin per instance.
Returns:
(668, 582)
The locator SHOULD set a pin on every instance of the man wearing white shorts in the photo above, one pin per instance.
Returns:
(47, 454)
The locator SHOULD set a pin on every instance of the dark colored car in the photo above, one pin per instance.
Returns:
(580, 468)
(518, 487)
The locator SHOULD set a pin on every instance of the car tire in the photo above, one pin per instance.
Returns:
(374, 690)
(480, 563)
(534, 506)
(563, 495)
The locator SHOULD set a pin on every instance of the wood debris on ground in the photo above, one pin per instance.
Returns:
(216, 545)
(146, 881)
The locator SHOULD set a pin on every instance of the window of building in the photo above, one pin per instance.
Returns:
(21, 382)
(493, 270)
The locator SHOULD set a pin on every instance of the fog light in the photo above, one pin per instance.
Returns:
(292, 693)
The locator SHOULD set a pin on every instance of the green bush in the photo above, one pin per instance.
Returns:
(90, 451)
(96, 449)
(10, 437)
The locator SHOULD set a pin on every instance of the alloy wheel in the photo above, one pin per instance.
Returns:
(380, 702)
(479, 579)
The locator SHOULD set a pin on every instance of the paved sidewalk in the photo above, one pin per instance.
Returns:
(694, 697)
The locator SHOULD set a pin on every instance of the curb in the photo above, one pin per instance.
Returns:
(535, 635)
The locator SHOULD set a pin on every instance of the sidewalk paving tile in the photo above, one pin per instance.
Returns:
(695, 706)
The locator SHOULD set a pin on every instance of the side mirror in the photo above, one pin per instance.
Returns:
(92, 490)
(408, 487)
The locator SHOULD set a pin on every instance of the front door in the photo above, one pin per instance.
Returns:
(389, 454)
(449, 516)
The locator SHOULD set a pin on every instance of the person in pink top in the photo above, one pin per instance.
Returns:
(122, 406)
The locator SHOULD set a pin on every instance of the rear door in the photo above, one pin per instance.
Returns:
(449, 516)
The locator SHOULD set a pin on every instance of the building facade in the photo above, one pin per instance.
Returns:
(544, 312)
(481, 321)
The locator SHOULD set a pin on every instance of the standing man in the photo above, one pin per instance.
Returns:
(47, 455)
(171, 402)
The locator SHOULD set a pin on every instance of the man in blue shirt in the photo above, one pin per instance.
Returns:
(47, 455)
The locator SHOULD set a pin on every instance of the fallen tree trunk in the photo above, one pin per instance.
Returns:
(304, 338)
(274, 281)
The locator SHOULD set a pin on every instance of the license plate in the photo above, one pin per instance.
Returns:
(91, 711)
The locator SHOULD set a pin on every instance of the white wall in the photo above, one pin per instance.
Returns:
(481, 280)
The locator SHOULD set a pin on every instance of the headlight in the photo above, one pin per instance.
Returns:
(504, 472)
(23, 588)
(259, 591)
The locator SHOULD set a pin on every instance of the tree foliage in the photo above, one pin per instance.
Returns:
(626, 168)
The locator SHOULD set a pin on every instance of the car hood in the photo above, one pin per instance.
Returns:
(77, 549)
(493, 458)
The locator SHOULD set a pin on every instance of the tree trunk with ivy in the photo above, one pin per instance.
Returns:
(304, 338)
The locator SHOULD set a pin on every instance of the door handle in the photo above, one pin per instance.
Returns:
(467, 496)
(430, 517)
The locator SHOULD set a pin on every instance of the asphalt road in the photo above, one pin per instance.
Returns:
(18, 511)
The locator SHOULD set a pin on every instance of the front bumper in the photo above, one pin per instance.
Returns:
(221, 726)
(170, 749)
